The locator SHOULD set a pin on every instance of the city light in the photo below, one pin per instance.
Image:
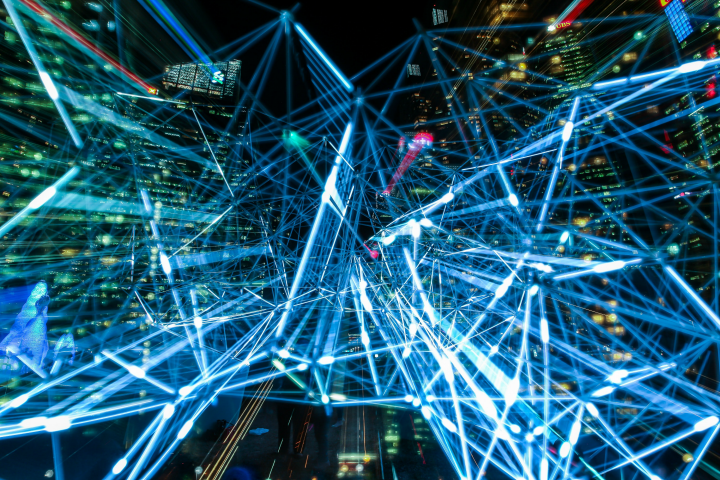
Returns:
(491, 248)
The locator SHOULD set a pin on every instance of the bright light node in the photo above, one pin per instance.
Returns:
(168, 411)
(414, 228)
(16, 402)
(603, 391)
(136, 371)
(57, 424)
(49, 85)
(609, 266)
(326, 360)
(501, 290)
(426, 412)
(537, 431)
(511, 391)
(416, 402)
(575, 433)
(185, 429)
(567, 131)
(165, 262)
(283, 353)
(529, 437)
(655, 477)
(592, 409)
(185, 391)
(564, 237)
(551, 28)
(449, 425)
(363, 284)
(33, 422)
(408, 398)
(543, 469)
(425, 222)
(512, 198)
(706, 423)
(198, 322)
(691, 67)
(325, 399)
(493, 350)
(302, 367)
(406, 352)
(448, 197)
(544, 332)
(515, 428)
(533, 290)
(430, 398)
(618, 376)
(365, 338)
(413, 329)
(119, 466)
(388, 240)
(41, 199)
(564, 450)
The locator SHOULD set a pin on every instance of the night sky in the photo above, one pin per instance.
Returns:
(352, 33)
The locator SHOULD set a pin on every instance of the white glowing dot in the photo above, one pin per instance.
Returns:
(165, 262)
(185, 429)
(41, 199)
(564, 450)
(119, 466)
(449, 425)
(326, 360)
(16, 402)
(168, 411)
(448, 197)
(57, 424)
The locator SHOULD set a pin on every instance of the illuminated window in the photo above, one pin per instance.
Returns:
(439, 16)
(413, 70)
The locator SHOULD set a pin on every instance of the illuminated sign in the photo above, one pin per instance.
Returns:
(664, 3)
(571, 13)
(152, 91)
(679, 20)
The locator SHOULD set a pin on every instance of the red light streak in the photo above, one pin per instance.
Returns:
(40, 10)
(418, 143)
(574, 13)
(373, 253)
